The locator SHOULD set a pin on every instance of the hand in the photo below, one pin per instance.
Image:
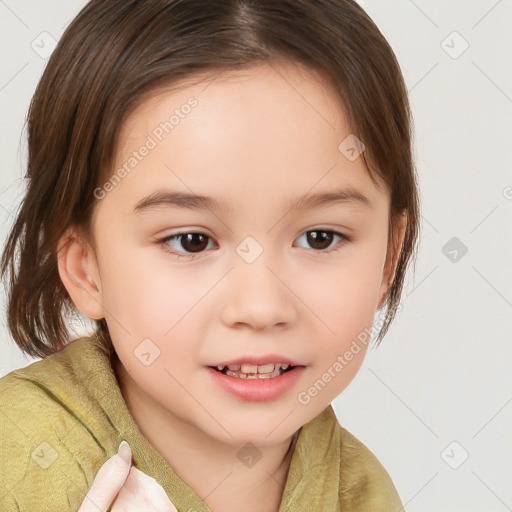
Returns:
(127, 488)
(109, 481)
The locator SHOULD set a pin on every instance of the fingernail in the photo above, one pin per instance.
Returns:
(125, 452)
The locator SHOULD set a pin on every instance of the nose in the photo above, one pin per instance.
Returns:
(259, 296)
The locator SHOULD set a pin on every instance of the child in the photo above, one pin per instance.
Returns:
(227, 190)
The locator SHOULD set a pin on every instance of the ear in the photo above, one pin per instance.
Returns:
(78, 270)
(395, 243)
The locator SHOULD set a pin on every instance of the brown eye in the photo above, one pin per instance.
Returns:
(194, 242)
(185, 244)
(321, 240)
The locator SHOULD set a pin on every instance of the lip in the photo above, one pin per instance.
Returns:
(257, 390)
(259, 360)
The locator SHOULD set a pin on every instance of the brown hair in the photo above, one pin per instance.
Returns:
(116, 52)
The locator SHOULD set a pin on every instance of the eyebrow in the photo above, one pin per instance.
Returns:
(169, 198)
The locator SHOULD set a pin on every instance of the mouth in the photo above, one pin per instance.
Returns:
(268, 371)
(256, 383)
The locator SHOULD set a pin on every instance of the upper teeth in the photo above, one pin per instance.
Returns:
(249, 368)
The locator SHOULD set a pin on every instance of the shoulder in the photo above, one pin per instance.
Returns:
(49, 454)
(365, 483)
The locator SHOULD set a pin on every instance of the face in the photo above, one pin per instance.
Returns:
(253, 271)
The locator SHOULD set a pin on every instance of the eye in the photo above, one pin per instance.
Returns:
(191, 242)
(320, 239)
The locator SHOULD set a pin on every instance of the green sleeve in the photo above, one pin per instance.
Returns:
(48, 459)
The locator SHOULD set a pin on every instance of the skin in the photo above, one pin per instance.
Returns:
(258, 139)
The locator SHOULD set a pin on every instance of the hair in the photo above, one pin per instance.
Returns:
(116, 53)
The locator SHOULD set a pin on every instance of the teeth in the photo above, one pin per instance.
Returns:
(251, 368)
(264, 368)
(275, 373)
(267, 368)
(250, 371)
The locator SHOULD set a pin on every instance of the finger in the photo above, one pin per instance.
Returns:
(107, 484)
(141, 492)
(125, 452)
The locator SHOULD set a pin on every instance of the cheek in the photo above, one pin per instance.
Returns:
(344, 300)
(345, 295)
(136, 288)
(146, 297)
(150, 311)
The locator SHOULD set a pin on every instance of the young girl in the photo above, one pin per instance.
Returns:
(227, 190)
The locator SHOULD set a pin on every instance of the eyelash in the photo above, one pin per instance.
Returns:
(163, 242)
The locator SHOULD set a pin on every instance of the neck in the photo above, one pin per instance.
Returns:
(213, 469)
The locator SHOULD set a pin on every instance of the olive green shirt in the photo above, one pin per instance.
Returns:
(62, 417)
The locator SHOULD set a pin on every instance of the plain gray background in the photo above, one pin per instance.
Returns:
(434, 401)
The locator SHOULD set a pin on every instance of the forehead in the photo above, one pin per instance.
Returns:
(270, 130)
